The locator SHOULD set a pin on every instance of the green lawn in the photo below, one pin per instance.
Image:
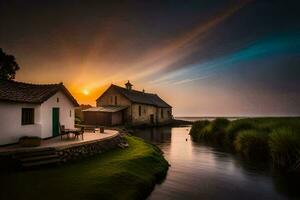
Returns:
(119, 174)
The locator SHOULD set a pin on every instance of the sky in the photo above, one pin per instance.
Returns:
(204, 57)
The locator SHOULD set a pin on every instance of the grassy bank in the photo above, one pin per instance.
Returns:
(127, 173)
(273, 139)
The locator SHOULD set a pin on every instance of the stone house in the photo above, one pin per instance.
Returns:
(118, 105)
(34, 110)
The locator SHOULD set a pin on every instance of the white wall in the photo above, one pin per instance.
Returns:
(64, 105)
(11, 128)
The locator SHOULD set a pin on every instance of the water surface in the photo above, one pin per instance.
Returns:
(193, 119)
(202, 172)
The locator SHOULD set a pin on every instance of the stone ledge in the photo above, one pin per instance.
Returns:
(76, 152)
(86, 143)
(65, 153)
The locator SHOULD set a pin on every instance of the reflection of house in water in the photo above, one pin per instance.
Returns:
(155, 135)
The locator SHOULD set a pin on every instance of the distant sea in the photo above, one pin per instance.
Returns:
(192, 119)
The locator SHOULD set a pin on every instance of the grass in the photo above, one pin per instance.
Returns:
(129, 173)
(274, 139)
(196, 130)
(235, 127)
(252, 144)
(209, 131)
(285, 147)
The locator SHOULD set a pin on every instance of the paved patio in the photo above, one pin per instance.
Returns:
(57, 143)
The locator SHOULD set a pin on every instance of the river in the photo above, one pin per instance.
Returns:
(199, 171)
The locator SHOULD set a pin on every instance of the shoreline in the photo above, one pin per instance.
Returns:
(122, 173)
(275, 140)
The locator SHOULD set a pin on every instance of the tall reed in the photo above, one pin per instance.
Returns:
(252, 144)
(284, 146)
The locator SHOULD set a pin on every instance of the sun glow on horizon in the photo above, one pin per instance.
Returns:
(86, 92)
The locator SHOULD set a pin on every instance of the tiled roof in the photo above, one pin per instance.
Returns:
(31, 93)
(106, 109)
(141, 97)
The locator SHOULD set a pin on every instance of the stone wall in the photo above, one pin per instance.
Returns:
(90, 149)
(109, 98)
(164, 115)
(160, 115)
(52, 155)
(146, 112)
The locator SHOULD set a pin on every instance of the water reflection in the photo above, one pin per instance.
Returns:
(202, 172)
(155, 135)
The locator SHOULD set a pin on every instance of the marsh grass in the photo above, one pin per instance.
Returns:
(285, 147)
(196, 130)
(235, 127)
(218, 130)
(252, 144)
(275, 139)
(209, 131)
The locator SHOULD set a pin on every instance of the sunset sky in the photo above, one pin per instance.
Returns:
(204, 57)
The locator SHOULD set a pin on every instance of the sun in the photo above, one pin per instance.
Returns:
(85, 92)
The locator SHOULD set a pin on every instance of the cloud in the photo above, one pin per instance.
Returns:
(272, 46)
(162, 57)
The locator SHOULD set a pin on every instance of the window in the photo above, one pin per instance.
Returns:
(116, 100)
(57, 99)
(162, 113)
(111, 100)
(140, 110)
(27, 116)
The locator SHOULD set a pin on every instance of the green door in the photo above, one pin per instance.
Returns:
(55, 121)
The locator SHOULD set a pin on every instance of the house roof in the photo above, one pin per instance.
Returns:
(31, 93)
(106, 109)
(140, 97)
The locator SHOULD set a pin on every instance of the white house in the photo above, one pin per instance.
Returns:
(34, 110)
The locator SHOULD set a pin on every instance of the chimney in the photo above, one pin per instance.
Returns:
(128, 85)
(143, 90)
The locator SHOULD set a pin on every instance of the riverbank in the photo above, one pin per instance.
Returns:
(274, 139)
(129, 173)
(204, 171)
